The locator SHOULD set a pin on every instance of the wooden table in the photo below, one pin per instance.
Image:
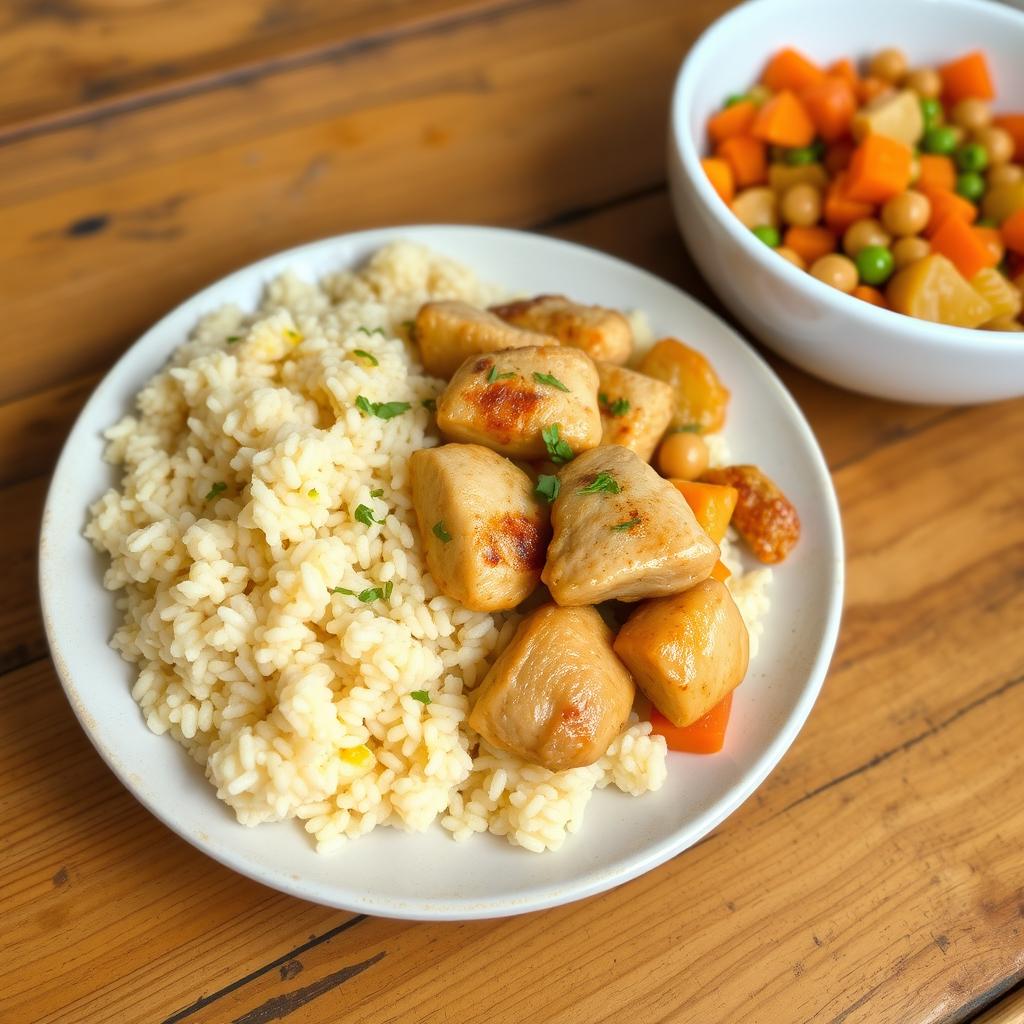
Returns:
(878, 876)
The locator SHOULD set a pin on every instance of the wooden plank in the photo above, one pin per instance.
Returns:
(484, 121)
(54, 61)
(874, 878)
(21, 628)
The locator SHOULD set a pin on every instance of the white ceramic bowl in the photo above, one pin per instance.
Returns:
(835, 336)
(429, 876)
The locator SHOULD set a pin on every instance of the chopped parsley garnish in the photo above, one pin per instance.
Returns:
(368, 595)
(294, 335)
(627, 525)
(379, 492)
(313, 493)
(382, 410)
(613, 406)
(218, 488)
(421, 695)
(546, 378)
(364, 515)
(603, 482)
(440, 532)
(430, 404)
(367, 331)
(558, 448)
(233, 338)
(548, 487)
(494, 375)
(343, 590)
(363, 354)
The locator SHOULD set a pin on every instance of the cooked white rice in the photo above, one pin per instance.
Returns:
(242, 469)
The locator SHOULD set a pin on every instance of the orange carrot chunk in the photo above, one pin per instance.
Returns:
(962, 246)
(720, 571)
(837, 156)
(840, 211)
(719, 173)
(790, 69)
(734, 120)
(784, 121)
(705, 736)
(936, 172)
(844, 68)
(831, 104)
(879, 169)
(712, 505)
(810, 243)
(946, 204)
(747, 158)
(1014, 124)
(1013, 231)
(967, 77)
(869, 294)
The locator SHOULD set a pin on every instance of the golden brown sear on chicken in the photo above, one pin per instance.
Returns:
(622, 532)
(557, 695)
(505, 400)
(482, 528)
(449, 332)
(602, 333)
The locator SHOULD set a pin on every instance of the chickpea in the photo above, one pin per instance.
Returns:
(889, 64)
(801, 205)
(971, 115)
(862, 233)
(756, 207)
(925, 82)
(836, 271)
(794, 257)
(1005, 174)
(683, 456)
(906, 213)
(998, 144)
(909, 250)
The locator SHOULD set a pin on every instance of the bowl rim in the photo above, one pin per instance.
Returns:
(920, 332)
(544, 895)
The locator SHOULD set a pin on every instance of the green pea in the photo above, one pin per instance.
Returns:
(985, 222)
(736, 97)
(972, 157)
(941, 139)
(801, 156)
(931, 111)
(874, 264)
(971, 185)
(767, 234)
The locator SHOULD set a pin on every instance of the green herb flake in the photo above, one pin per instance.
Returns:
(494, 375)
(602, 483)
(343, 590)
(378, 493)
(421, 695)
(313, 493)
(627, 525)
(613, 406)
(364, 515)
(430, 404)
(376, 593)
(368, 331)
(295, 336)
(548, 487)
(233, 339)
(217, 489)
(363, 354)
(558, 448)
(547, 378)
(441, 532)
(382, 410)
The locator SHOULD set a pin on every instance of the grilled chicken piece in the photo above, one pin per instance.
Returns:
(686, 651)
(449, 332)
(622, 532)
(483, 530)
(765, 518)
(601, 333)
(635, 409)
(506, 399)
(557, 695)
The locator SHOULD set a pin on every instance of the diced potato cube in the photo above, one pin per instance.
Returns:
(896, 115)
(701, 398)
(782, 177)
(933, 289)
(1001, 201)
(1000, 293)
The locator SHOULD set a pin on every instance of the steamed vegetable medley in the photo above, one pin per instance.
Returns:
(546, 478)
(898, 185)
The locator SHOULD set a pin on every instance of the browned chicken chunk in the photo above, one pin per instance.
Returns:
(448, 332)
(483, 531)
(687, 651)
(622, 532)
(508, 400)
(635, 409)
(557, 695)
(601, 333)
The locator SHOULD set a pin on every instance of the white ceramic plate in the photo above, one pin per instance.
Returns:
(429, 876)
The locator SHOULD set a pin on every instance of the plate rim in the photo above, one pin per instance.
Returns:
(548, 894)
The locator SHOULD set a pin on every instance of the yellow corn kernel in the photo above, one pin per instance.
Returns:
(360, 756)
